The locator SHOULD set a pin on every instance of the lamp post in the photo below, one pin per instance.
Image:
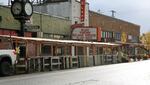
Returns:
(41, 15)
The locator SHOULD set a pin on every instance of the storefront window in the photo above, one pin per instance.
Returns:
(135, 39)
(111, 34)
(103, 34)
(118, 36)
(46, 50)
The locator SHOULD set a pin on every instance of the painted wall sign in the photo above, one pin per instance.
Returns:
(123, 37)
(8, 32)
(85, 34)
(33, 28)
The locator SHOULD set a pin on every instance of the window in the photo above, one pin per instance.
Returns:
(103, 34)
(110, 35)
(134, 39)
(60, 51)
(46, 50)
(118, 36)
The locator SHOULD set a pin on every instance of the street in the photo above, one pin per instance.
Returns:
(133, 73)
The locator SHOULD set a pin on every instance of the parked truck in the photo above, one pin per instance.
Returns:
(7, 57)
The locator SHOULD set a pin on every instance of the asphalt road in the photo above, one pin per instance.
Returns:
(137, 73)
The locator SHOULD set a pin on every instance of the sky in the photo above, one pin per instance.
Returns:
(134, 11)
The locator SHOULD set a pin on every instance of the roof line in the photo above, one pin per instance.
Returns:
(113, 17)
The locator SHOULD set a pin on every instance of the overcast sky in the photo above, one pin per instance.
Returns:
(134, 11)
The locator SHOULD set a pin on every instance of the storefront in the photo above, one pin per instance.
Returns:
(114, 29)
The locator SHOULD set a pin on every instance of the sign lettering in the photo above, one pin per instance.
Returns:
(82, 16)
(84, 34)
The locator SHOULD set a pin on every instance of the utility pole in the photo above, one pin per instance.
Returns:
(9, 2)
(113, 13)
(99, 11)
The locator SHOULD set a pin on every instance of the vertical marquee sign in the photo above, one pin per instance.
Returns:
(82, 15)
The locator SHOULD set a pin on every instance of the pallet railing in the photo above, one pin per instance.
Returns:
(49, 63)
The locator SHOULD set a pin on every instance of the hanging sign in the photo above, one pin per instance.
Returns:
(85, 34)
(124, 37)
(82, 15)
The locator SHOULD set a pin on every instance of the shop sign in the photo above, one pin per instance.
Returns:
(6, 32)
(130, 37)
(13, 33)
(124, 37)
(32, 28)
(82, 15)
(84, 34)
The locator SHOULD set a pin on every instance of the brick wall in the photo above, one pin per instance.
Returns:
(108, 23)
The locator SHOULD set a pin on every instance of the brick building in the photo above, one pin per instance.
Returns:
(113, 29)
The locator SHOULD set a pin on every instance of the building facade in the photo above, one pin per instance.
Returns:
(52, 26)
(113, 29)
(69, 10)
(40, 25)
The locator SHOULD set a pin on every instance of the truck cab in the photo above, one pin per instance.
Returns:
(8, 57)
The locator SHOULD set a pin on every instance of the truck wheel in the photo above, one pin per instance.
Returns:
(6, 69)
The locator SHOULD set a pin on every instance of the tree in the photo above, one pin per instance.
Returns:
(145, 39)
